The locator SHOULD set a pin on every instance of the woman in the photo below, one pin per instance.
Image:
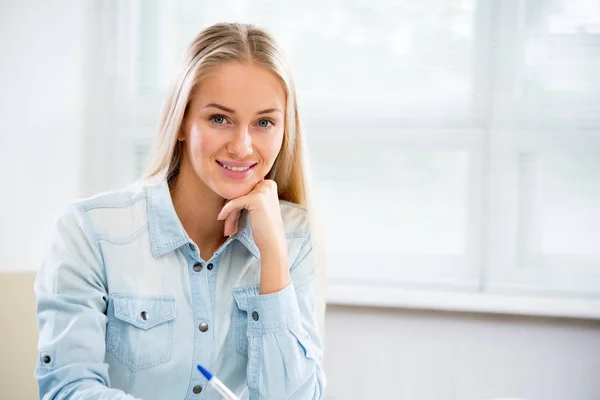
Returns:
(208, 260)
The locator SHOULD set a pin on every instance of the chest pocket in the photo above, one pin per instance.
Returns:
(139, 331)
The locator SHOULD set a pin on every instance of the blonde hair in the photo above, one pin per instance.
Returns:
(213, 47)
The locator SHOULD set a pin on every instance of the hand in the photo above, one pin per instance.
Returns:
(267, 230)
(265, 217)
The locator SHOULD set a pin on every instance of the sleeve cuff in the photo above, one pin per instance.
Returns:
(268, 313)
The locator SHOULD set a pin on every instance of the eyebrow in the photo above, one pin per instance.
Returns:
(232, 111)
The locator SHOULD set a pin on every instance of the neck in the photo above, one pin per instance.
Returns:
(197, 207)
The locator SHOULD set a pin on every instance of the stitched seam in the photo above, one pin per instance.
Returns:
(151, 227)
(241, 333)
(126, 240)
(296, 235)
(170, 245)
(91, 205)
(245, 240)
(293, 205)
(91, 229)
(274, 327)
(301, 257)
(255, 367)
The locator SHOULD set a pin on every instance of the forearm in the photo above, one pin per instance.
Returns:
(274, 271)
(284, 349)
(76, 382)
(286, 367)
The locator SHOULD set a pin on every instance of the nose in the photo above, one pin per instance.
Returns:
(240, 145)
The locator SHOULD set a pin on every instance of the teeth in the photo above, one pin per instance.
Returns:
(237, 169)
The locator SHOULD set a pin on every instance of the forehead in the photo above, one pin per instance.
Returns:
(246, 87)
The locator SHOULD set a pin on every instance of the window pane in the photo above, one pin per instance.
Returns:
(405, 202)
(569, 199)
(347, 51)
(562, 58)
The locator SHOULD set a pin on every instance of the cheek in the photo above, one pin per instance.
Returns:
(273, 148)
(200, 145)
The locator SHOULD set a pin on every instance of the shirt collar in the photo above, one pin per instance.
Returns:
(167, 232)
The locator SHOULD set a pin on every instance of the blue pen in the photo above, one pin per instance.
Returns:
(217, 384)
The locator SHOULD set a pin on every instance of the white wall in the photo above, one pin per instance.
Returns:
(41, 118)
(424, 355)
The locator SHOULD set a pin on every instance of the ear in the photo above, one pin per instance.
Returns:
(181, 133)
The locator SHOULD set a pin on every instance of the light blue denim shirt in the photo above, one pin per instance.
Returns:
(126, 307)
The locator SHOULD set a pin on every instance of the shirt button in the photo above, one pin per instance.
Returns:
(197, 389)
(144, 315)
(198, 267)
(203, 327)
(47, 359)
(255, 315)
(209, 267)
(192, 247)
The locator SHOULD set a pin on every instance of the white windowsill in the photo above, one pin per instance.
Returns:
(396, 297)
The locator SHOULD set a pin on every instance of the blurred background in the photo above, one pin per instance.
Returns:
(455, 149)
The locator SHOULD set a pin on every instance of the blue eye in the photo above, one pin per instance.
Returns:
(218, 119)
(265, 123)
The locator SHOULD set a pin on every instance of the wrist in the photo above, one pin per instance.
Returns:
(274, 253)
(274, 272)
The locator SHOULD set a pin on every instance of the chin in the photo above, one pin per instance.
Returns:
(233, 191)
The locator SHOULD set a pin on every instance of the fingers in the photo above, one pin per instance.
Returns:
(231, 214)
(237, 204)
(259, 198)
(231, 223)
(228, 209)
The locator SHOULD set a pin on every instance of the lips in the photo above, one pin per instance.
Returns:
(236, 170)
(235, 166)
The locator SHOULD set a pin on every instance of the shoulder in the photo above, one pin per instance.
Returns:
(120, 198)
(295, 219)
(110, 210)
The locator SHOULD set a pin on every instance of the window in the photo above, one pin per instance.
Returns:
(455, 145)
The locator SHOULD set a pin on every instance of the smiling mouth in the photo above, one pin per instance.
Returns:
(236, 170)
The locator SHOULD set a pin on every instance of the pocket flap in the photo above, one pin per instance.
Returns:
(241, 295)
(143, 311)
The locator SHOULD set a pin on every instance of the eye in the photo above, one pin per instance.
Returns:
(265, 123)
(218, 119)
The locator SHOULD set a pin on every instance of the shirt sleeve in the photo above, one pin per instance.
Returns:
(285, 350)
(71, 301)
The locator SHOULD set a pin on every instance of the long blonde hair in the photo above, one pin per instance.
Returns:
(214, 47)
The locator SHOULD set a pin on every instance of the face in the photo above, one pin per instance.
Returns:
(233, 128)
